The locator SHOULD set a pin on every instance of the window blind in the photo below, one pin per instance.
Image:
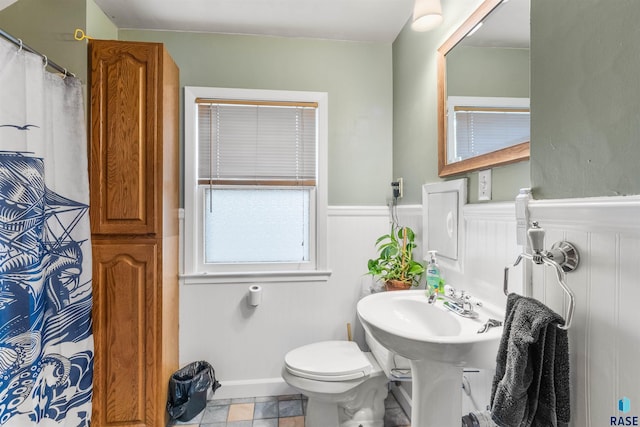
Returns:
(256, 143)
(481, 130)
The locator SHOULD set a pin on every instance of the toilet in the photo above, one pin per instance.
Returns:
(346, 387)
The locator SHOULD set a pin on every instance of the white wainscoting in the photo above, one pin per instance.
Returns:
(605, 334)
(604, 337)
(488, 245)
(246, 345)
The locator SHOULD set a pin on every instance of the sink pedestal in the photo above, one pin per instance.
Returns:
(437, 342)
(436, 399)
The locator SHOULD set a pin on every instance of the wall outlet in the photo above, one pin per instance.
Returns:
(484, 185)
(398, 188)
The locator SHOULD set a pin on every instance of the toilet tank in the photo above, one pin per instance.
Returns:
(397, 368)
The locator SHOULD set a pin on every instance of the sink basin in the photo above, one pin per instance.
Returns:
(438, 343)
(407, 324)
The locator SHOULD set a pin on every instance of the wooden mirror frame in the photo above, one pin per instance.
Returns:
(505, 156)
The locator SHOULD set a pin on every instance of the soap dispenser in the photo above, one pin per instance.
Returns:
(435, 284)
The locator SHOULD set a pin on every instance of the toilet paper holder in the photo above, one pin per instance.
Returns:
(254, 297)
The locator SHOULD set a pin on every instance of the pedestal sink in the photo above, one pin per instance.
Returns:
(439, 344)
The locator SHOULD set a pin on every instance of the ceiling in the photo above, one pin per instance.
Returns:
(508, 25)
(357, 20)
(6, 3)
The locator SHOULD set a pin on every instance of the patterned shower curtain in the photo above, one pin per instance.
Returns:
(46, 344)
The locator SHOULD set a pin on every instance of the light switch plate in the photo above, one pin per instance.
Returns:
(484, 185)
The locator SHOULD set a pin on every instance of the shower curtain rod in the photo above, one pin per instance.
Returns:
(47, 62)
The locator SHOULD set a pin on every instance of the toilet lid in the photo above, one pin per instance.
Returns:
(328, 361)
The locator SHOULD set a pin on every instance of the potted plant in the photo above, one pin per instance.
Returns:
(395, 264)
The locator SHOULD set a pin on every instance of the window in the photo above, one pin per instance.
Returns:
(481, 125)
(255, 184)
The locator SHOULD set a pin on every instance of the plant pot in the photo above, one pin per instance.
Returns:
(396, 285)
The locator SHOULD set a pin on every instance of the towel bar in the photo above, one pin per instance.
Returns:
(563, 256)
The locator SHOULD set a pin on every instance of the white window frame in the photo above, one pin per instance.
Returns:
(195, 271)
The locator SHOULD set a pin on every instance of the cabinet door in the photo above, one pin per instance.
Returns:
(124, 137)
(125, 334)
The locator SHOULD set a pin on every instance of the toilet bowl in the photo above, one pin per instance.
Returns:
(346, 387)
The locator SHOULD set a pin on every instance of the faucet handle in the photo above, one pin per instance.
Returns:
(536, 238)
(470, 301)
(491, 323)
(473, 300)
(449, 291)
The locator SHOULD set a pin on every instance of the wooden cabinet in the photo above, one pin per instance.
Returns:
(133, 178)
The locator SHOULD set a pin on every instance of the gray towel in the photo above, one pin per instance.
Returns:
(531, 384)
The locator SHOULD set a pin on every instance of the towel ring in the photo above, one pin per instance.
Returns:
(561, 280)
(563, 257)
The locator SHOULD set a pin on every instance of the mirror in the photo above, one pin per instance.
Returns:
(483, 77)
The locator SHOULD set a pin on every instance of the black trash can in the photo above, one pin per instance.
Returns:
(188, 390)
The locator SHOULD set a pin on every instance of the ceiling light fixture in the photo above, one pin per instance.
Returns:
(427, 15)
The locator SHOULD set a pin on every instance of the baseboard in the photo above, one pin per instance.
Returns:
(254, 388)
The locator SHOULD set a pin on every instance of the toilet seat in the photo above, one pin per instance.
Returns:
(328, 361)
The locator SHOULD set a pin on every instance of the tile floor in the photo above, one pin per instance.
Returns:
(273, 411)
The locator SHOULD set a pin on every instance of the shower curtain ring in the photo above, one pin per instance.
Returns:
(20, 50)
(46, 61)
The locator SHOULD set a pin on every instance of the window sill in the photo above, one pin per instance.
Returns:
(256, 276)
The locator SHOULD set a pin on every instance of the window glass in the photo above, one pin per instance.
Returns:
(481, 125)
(481, 131)
(256, 225)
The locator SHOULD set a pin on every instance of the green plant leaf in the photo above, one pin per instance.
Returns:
(395, 257)
(410, 234)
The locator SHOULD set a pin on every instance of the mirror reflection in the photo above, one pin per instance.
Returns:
(484, 89)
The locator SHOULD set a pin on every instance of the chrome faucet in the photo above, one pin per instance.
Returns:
(432, 297)
(460, 302)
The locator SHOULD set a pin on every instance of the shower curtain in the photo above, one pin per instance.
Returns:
(46, 345)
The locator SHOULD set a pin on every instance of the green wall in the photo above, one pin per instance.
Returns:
(48, 27)
(357, 77)
(98, 24)
(415, 132)
(585, 91)
(488, 71)
(585, 62)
